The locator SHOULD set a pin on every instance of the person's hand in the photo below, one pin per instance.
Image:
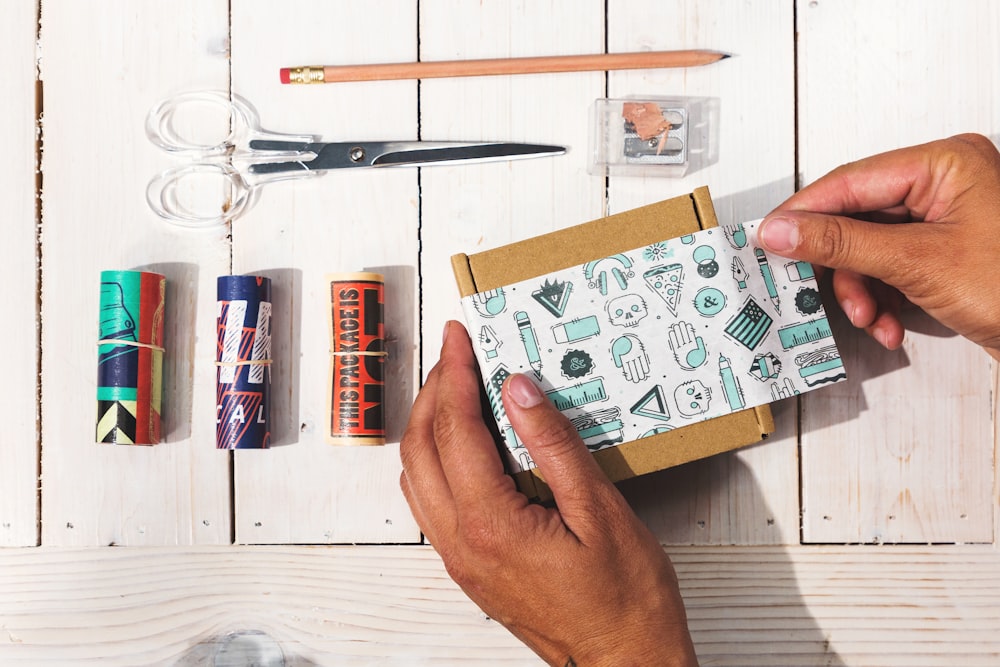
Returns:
(943, 262)
(585, 584)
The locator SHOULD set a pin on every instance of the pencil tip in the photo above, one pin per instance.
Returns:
(726, 55)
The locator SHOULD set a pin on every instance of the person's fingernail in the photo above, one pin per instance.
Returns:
(444, 333)
(523, 391)
(849, 309)
(882, 336)
(780, 234)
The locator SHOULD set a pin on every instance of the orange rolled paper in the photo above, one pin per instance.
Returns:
(355, 388)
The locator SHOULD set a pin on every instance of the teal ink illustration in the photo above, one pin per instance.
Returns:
(657, 252)
(750, 325)
(553, 296)
(493, 387)
(821, 366)
(576, 395)
(693, 398)
(804, 333)
(786, 391)
(491, 303)
(652, 404)
(730, 385)
(807, 301)
(576, 363)
(599, 279)
(627, 310)
(666, 282)
(576, 330)
(736, 235)
(599, 429)
(704, 257)
(687, 239)
(656, 430)
(530, 342)
(688, 347)
(799, 271)
(765, 271)
(488, 341)
(709, 301)
(739, 273)
(630, 356)
(765, 367)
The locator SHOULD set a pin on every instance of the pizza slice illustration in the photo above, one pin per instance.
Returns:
(666, 282)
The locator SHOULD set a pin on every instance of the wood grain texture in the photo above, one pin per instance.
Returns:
(748, 496)
(304, 490)
(801, 606)
(470, 208)
(902, 452)
(18, 266)
(101, 73)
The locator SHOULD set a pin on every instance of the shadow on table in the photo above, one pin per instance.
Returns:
(744, 604)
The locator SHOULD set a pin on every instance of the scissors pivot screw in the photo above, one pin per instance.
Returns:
(357, 154)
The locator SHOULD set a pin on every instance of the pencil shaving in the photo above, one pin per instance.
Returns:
(648, 121)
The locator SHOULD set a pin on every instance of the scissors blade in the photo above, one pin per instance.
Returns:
(346, 155)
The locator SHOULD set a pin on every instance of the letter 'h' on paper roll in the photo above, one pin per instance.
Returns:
(130, 357)
(243, 360)
(357, 356)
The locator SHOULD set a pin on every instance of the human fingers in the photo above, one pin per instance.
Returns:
(855, 298)
(872, 307)
(465, 445)
(884, 181)
(887, 252)
(422, 480)
(580, 488)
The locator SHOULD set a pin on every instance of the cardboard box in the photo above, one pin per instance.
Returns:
(600, 238)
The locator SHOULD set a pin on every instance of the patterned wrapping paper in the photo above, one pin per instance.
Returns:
(658, 337)
(357, 356)
(130, 357)
(243, 357)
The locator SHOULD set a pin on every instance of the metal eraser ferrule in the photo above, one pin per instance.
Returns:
(311, 74)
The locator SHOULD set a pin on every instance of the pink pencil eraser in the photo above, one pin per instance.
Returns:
(286, 75)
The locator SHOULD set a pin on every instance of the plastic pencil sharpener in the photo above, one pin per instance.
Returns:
(640, 137)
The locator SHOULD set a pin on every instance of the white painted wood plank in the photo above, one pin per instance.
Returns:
(903, 452)
(749, 496)
(471, 208)
(18, 257)
(104, 65)
(304, 490)
(871, 606)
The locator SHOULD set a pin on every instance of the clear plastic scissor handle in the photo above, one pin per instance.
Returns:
(215, 187)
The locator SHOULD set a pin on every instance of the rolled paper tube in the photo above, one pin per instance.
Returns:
(243, 360)
(130, 357)
(357, 357)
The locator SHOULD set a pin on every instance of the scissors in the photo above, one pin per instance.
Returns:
(248, 157)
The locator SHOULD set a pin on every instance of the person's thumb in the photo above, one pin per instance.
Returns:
(577, 482)
(878, 250)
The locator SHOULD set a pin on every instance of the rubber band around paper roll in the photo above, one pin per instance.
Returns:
(131, 343)
(355, 384)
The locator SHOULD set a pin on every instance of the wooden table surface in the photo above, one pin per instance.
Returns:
(863, 533)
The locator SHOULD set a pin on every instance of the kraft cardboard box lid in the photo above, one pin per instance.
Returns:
(618, 233)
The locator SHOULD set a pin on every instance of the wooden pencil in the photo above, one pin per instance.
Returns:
(496, 66)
